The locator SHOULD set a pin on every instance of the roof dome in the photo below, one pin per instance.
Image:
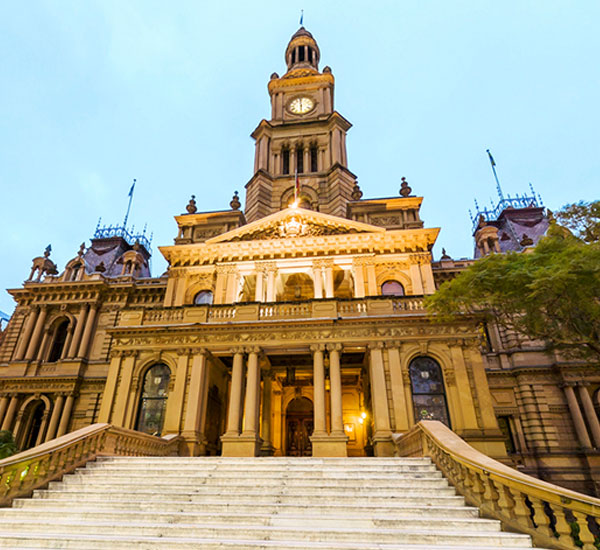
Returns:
(302, 51)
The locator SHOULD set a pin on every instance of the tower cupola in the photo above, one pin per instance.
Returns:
(302, 51)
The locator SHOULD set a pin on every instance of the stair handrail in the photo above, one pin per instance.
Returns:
(555, 517)
(24, 472)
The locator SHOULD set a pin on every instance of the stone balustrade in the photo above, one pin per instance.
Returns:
(255, 311)
(554, 517)
(22, 473)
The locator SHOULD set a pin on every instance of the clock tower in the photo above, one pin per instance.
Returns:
(305, 136)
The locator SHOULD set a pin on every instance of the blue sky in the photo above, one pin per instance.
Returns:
(94, 94)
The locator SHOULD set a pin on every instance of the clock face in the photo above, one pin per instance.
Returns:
(301, 105)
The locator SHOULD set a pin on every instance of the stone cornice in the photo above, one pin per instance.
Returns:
(396, 241)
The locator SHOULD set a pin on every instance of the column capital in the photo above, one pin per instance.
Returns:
(335, 347)
(185, 351)
(237, 349)
(317, 347)
(375, 345)
(583, 383)
(253, 349)
(568, 384)
(322, 262)
(394, 344)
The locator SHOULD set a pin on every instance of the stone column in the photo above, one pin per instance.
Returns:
(252, 400)
(65, 350)
(271, 291)
(56, 412)
(329, 280)
(24, 341)
(265, 431)
(335, 379)
(110, 389)
(258, 293)
(401, 405)
(174, 408)
(193, 430)
(590, 412)
(415, 278)
(40, 438)
(372, 280)
(235, 397)
(220, 284)
(37, 331)
(359, 279)
(89, 326)
(10, 413)
(3, 405)
(123, 390)
(319, 390)
(382, 433)
(318, 280)
(42, 348)
(580, 428)
(74, 347)
(66, 415)
(427, 278)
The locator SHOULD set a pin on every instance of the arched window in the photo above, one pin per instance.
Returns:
(285, 155)
(203, 297)
(300, 159)
(428, 393)
(34, 424)
(392, 288)
(58, 344)
(75, 272)
(153, 400)
(313, 158)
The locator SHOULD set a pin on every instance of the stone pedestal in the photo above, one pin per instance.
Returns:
(240, 445)
(329, 445)
(194, 444)
(383, 446)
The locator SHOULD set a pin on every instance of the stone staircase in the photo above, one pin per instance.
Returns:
(252, 503)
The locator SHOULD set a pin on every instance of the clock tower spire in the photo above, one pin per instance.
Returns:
(304, 136)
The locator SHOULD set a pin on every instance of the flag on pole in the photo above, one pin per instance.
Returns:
(131, 190)
(493, 163)
(296, 188)
(301, 17)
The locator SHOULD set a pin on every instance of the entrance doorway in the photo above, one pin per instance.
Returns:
(299, 427)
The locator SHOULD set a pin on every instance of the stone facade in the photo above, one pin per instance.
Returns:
(295, 327)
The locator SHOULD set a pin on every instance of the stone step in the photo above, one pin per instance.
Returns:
(303, 532)
(393, 510)
(228, 519)
(442, 489)
(111, 542)
(266, 483)
(251, 461)
(277, 476)
(446, 498)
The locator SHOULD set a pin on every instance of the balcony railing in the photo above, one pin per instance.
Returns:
(276, 311)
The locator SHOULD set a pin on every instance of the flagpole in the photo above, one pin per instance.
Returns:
(129, 205)
(493, 163)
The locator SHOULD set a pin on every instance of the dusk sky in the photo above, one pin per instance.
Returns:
(94, 94)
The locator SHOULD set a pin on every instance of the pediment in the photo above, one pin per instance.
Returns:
(293, 223)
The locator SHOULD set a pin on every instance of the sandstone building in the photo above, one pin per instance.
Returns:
(293, 327)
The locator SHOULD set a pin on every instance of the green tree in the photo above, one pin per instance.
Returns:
(583, 218)
(8, 446)
(551, 293)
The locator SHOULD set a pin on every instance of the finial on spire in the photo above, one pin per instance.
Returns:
(47, 251)
(130, 195)
(356, 192)
(191, 206)
(235, 201)
(301, 17)
(405, 189)
(81, 250)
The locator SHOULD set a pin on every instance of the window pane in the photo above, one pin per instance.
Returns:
(392, 288)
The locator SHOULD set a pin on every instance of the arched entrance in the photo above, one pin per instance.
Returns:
(33, 423)
(299, 427)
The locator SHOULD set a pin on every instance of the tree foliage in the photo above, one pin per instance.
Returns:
(583, 218)
(8, 446)
(551, 293)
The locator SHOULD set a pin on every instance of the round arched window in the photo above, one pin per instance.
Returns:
(153, 400)
(392, 288)
(428, 393)
(203, 297)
